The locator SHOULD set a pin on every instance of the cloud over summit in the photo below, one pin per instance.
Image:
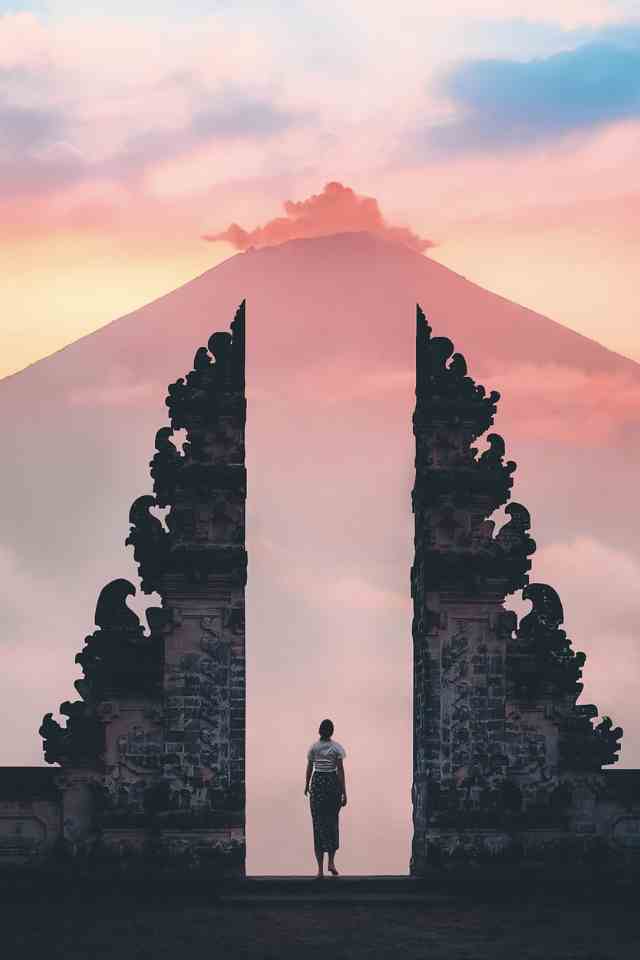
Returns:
(338, 209)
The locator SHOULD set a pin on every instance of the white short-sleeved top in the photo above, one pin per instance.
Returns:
(324, 754)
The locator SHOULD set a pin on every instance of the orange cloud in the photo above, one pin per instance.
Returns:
(338, 209)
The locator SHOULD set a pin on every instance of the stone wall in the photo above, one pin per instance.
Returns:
(31, 821)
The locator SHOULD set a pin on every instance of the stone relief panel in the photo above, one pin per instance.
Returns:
(198, 748)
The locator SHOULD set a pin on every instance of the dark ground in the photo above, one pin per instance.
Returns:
(126, 928)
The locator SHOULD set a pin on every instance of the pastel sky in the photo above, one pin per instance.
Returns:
(504, 133)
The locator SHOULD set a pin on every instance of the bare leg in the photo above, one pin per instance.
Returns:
(320, 859)
(331, 865)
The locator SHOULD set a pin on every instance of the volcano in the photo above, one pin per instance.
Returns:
(330, 387)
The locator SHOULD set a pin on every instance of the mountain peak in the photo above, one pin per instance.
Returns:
(347, 294)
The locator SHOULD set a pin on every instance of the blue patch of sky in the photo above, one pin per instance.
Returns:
(502, 101)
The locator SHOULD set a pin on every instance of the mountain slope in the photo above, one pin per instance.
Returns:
(353, 274)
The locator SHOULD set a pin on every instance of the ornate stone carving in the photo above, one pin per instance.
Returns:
(544, 661)
(80, 743)
(165, 467)
(586, 747)
(118, 658)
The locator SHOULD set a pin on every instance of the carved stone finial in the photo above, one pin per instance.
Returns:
(513, 537)
(220, 346)
(458, 365)
(201, 361)
(585, 747)
(495, 452)
(546, 612)
(150, 542)
(78, 744)
(118, 657)
(139, 512)
(165, 467)
(112, 612)
(608, 739)
(545, 663)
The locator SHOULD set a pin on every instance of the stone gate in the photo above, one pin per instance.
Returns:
(151, 758)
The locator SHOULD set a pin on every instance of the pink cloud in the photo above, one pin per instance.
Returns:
(338, 209)
(564, 405)
(604, 627)
(557, 404)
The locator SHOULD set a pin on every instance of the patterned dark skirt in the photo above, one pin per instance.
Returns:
(325, 795)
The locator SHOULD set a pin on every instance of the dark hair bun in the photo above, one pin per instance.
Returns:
(325, 729)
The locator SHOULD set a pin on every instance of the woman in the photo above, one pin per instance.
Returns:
(328, 794)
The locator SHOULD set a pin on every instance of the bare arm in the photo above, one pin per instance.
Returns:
(343, 783)
(308, 776)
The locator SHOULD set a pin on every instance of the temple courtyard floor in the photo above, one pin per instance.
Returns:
(322, 921)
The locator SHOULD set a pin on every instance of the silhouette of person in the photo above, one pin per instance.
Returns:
(327, 795)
